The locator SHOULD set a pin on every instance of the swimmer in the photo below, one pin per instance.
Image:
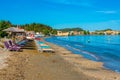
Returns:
(88, 41)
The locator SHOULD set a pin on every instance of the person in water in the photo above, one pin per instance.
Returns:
(88, 41)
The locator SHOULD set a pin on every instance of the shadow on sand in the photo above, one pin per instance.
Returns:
(29, 45)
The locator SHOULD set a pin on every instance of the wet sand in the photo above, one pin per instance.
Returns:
(88, 67)
(61, 65)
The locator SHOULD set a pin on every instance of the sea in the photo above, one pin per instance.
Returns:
(100, 48)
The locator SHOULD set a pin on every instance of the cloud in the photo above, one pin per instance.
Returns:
(107, 12)
(84, 3)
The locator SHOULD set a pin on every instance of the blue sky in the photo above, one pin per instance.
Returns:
(87, 14)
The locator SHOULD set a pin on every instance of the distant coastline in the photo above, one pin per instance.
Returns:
(80, 31)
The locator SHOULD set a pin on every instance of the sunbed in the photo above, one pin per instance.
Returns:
(42, 47)
(12, 44)
(11, 48)
(46, 50)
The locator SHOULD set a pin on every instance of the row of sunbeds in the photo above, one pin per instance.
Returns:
(43, 47)
(11, 46)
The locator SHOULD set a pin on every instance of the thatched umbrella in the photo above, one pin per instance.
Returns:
(13, 31)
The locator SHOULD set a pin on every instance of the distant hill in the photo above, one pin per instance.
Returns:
(70, 29)
(103, 30)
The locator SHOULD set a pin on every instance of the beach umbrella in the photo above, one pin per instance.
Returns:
(13, 29)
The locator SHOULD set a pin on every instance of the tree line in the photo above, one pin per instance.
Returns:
(37, 27)
(70, 29)
(78, 29)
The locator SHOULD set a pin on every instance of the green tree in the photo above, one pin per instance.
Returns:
(3, 25)
(86, 32)
(54, 31)
(37, 27)
(71, 29)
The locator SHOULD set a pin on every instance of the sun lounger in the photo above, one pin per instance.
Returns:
(41, 42)
(22, 43)
(15, 44)
(46, 50)
(12, 44)
(11, 48)
(42, 47)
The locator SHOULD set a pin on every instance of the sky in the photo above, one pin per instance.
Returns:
(87, 14)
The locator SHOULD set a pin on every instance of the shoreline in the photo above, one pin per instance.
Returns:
(61, 65)
(95, 57)
(88, 67)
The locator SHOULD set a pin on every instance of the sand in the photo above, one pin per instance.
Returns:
(61, 65)
(3, 56)
(88, 67)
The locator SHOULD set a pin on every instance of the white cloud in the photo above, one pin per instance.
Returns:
(107, 12)
(84, 3)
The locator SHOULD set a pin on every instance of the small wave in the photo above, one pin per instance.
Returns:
(85, 52)
(114, 44)
(79, 45)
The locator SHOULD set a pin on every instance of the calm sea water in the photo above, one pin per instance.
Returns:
(104, 49)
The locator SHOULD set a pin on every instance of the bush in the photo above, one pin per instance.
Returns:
(2, 46)
(3, 34)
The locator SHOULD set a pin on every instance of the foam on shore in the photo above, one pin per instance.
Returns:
(88, 67)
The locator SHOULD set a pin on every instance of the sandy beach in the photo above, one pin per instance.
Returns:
(88, 67)
(61, 65)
